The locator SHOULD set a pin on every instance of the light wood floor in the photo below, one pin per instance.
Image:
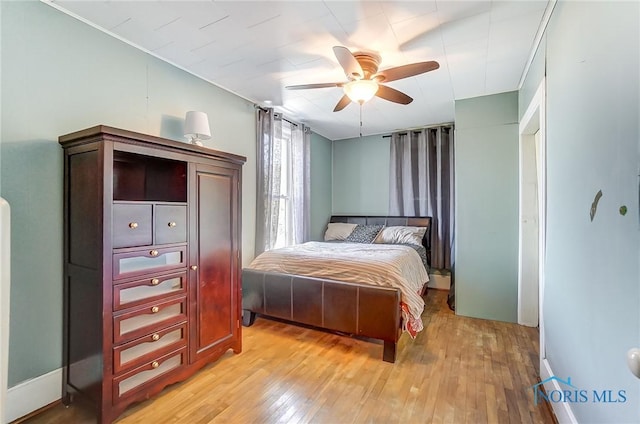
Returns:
(459, 370)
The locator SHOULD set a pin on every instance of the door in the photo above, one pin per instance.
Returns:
(528, 264)
(532, 215)
(214, 303)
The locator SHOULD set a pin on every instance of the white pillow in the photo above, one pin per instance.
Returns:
(401, 235)
(338, 231)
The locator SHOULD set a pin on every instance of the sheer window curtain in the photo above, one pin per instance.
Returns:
(422, 183)
(283, 181)
(300, 184)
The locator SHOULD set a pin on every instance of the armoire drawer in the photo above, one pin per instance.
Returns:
(155, 287)
(151, 260)
(144, 349)
(142, 377)
(132, 225)
(170, 224)
(147, 319)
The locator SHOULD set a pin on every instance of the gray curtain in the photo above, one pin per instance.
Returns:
(283, 181)
(421, 183)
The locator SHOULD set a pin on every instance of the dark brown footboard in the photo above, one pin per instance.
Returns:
(359, 309)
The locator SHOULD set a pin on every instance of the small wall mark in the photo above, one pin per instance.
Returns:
(594, 205)
(623, 210)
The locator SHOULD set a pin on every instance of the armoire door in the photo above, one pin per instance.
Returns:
(214, 260)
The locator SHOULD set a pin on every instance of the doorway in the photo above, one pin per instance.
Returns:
(532, 215)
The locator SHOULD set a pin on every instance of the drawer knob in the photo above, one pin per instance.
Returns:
(172, 224)
(155, 364)
(194, 267)
(155, 309)
(153, 252)
(133, 225)
(155, 281)
(155, 337)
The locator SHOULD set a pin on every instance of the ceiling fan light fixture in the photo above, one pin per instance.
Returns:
(361, 91)
(364, 81)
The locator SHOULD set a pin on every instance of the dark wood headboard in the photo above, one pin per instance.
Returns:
(388, 221)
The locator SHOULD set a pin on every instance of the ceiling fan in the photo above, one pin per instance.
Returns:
(364, 79)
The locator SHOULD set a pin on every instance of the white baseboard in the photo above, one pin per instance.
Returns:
(439, 281)
(562, 410)
(33, 394)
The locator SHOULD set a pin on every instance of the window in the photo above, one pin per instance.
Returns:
(283, 182)
(282, 192)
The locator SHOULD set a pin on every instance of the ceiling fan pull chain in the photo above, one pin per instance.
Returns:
(361, 102)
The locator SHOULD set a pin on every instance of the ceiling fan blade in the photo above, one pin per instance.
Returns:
(319, 85)
(393, 95)
(405, 71)
(344, 101)
(351, 67)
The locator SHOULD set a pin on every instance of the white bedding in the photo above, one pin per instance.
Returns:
(389, 265)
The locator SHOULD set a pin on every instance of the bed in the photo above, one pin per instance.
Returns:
(353, 307)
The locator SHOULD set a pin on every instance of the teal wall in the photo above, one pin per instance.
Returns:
(486, 164)
(320, 185)
(58, 76)
(592, 294)
(361, 175)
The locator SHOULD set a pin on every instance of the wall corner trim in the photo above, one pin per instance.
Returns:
(33, 394)
(537, 40)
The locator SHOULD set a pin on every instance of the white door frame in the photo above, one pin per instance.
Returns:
(5, 294)
(531, 288)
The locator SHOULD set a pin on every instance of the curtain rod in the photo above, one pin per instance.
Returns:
(284, 118)
(280, 114)
(419, 130)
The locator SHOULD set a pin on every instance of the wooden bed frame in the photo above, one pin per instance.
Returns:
(358, 309)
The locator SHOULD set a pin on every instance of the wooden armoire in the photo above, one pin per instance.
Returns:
(152, 264)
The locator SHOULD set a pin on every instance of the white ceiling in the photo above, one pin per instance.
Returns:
(256, 48)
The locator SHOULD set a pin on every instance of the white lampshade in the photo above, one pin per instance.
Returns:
(361, 90)
(196, 127)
